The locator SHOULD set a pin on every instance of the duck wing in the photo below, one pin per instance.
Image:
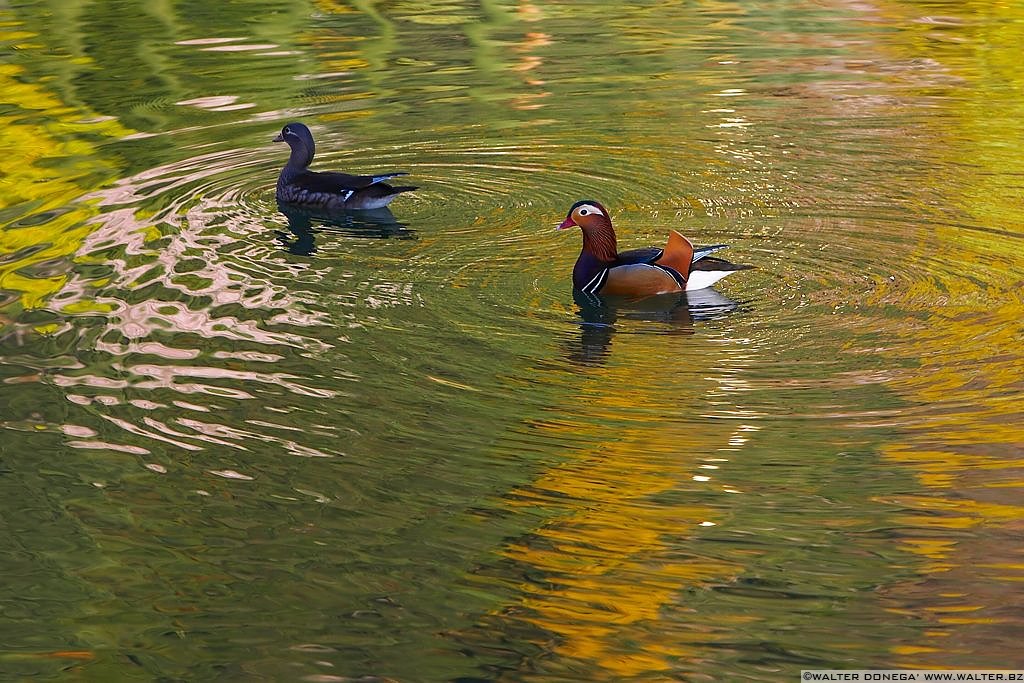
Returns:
(338, 183)
(645, 255)
(652, 254)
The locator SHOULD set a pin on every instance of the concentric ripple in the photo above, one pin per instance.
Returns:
(396, 445)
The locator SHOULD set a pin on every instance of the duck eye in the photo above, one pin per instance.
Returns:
(584, 212)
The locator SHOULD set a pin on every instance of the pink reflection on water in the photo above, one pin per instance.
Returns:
(106, 383)
(107, 446)
(78, 430)
(139, 431)
(231, 474)
(191, 406)
(210, 41)
(249, 356)
(223, 431)
(170, 431)
(181, 273)
(241, 48)
(190, 248)
(147, 348)
(210, 102)
(168, 373)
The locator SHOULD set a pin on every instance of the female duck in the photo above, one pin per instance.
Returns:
(298, 185)
(602, 269)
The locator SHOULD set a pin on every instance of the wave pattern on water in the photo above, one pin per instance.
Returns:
(398, 446)
(177, 293)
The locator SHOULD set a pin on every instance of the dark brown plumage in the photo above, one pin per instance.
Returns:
(328, 190)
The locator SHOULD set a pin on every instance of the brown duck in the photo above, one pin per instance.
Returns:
(602, 269)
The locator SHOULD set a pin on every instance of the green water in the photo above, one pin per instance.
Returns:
(239, 444)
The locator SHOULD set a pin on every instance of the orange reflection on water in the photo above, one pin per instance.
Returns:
(608, 555)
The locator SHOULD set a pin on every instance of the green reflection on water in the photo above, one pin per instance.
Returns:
(401, 452)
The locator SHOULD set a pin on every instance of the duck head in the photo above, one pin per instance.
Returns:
(598, 235)
(299, 138)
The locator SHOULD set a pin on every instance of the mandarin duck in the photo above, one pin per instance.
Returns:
(328, 190)
(602, 269)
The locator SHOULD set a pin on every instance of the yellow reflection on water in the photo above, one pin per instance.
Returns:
(964, 439)
(607, 554)
(39, 245)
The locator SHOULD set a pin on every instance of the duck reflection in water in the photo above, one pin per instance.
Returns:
(305, 223)
(600, 314)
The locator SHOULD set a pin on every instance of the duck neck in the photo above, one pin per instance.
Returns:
(599, 241)
(300, 159)
(599, 252)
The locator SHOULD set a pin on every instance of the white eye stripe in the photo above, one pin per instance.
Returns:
(587, 209)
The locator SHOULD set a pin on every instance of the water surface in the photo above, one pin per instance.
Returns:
(245, 444)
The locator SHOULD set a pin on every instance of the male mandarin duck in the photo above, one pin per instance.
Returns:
(602, 269)
(329, 190)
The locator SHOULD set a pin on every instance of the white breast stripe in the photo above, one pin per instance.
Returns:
(348, 193)
(596, 282)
